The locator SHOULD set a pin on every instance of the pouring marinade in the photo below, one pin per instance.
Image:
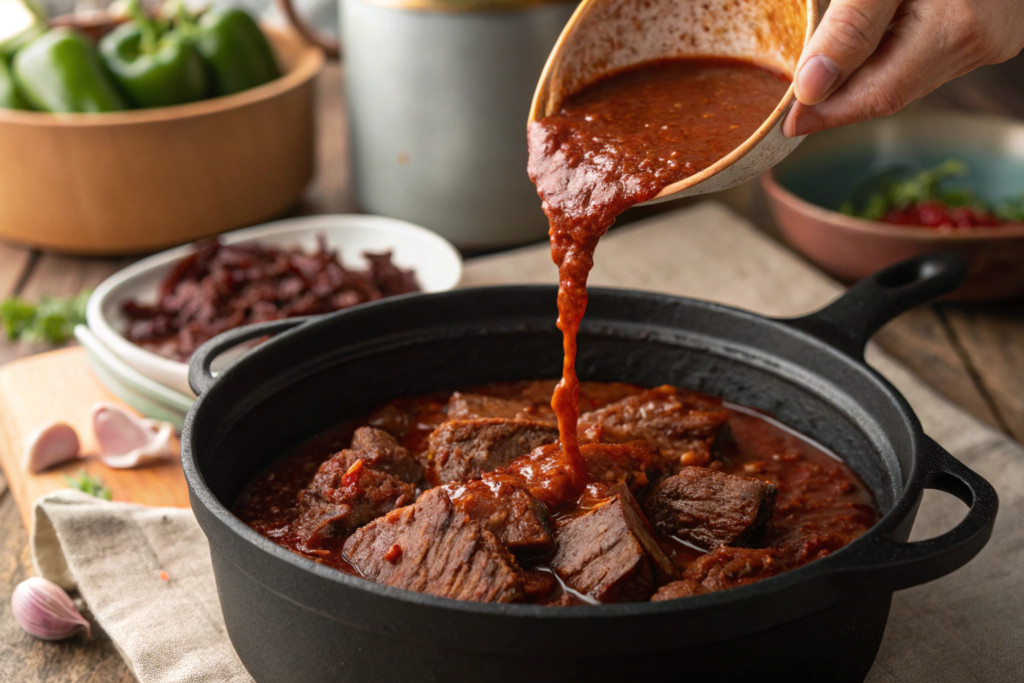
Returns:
(561, 493)
(617, 144)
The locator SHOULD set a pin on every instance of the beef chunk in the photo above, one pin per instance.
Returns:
(508, 511)
(710, 508)
(381, 451)
(683, 588)
(465, 449)
(538, 584)
(723, 569)
(344, 495)
(606, 553)
(679, 425)
(469, 406)
(626, 463)
(433, 547)
(544, 473)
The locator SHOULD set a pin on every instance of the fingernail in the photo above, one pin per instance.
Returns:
(806, 122)
(817, 75)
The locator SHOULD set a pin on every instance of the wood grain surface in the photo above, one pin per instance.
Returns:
(972, 355)
(59, 386)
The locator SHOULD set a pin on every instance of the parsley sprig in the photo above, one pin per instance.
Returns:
(52, 320)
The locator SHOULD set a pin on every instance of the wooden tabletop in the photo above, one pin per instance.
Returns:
(974, 355)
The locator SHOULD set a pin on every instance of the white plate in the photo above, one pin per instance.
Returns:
(436, 262)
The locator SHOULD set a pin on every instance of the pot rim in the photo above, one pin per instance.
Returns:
(838, 562)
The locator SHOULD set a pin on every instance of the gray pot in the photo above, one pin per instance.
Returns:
(438, 103)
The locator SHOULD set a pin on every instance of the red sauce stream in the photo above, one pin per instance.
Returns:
(617, 143)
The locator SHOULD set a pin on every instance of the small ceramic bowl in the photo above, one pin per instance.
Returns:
(146, 179)
(805, 190)
(605, 36)
(436, 262)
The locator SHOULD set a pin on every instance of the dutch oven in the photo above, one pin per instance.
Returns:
(291, 619)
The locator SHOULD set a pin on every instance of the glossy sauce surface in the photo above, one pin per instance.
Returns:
(822, 505)
(618, 143)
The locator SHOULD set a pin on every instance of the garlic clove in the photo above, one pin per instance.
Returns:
(43, 609)
(127, 441)
(49, 444)
(117, 431)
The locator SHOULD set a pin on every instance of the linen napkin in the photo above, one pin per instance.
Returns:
(968, 626)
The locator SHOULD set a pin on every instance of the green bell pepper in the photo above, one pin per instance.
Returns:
(10, 98)
(235, 49)
(21, 21)
(60, 71)
(156, 68)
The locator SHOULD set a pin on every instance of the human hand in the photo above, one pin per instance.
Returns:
(869, 58)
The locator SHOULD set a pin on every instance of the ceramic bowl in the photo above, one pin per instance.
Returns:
(146, 179)
(806, 189)
(605, 36)
(436, 262)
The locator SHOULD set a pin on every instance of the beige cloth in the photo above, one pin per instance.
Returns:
(968, 626)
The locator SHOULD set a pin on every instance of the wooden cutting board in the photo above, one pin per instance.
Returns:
(59, 386)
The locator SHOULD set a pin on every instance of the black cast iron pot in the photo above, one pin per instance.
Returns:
(292, 620)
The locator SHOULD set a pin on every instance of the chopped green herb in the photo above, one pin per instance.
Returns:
(876, 196)
(1011, 210)
(52, 320)
(86, 483)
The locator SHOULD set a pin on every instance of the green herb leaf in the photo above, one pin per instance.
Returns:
(86, 483)
(52, 320)
(17, 316)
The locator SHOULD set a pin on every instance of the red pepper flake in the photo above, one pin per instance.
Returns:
(394, 554)
(351, 477)
(164, 576)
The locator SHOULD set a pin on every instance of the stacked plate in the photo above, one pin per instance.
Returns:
(158, 386)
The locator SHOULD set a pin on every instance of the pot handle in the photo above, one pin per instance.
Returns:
(849, 321)
(330, 46)
(904, 564)
(200, 374)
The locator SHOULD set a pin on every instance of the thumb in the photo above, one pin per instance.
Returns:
(849, 32)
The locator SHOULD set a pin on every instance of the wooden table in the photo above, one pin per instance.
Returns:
(972, 354)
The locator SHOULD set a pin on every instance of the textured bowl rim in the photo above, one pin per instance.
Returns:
(916, 233)
(308, 63)
(781, 109)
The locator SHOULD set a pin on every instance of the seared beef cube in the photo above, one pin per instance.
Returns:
(538, 584)
(545, 474)
(683, 588)
(508, 511)
(382, 452)
(723, 569)
(466, 449)
(470, 406)
(679, 425)
(710, 508)
(606, 553)
(626, 463)
(433, 547)
(344, 495)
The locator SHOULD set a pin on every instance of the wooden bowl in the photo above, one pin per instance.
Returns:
(141, 180)
(804, 191)
(605, 36)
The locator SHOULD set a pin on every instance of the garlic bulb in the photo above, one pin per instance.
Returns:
(49, 444)
(127, 441)
(45, 610)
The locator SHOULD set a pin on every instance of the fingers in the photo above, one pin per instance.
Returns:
(848, 34)
(913, 61)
